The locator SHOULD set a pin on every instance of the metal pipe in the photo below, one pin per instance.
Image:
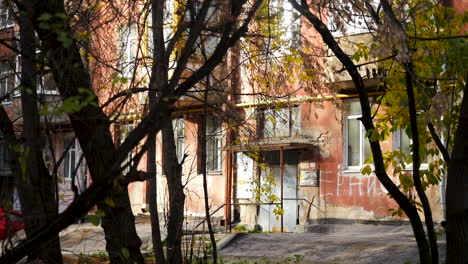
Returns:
(303, 99)
(282, 186)
(253, 203)
(280, 101)
(229, 190)
(226, 193)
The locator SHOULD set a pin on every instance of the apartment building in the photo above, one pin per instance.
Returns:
(61, 150)
(290, 150)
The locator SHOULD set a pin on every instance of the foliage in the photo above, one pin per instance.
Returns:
(439, 63)
(275, 59)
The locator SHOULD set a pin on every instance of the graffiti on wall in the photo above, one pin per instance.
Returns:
(353, 184)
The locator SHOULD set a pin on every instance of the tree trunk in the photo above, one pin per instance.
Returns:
(457, 194)
(205, 185)
(36, 185)
(173, 171)
(91, 127)
(157, 81)
(152, 199)
(416, 165)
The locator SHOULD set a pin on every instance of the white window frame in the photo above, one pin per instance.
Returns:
(397, 147)
(5, 80)
(356, 27)
(178, 125)
(167, 27)
(68, 166)
(5, 11)
(40, 82)
(214, 137)
(127, 40)
(362, 141)
(272, 118)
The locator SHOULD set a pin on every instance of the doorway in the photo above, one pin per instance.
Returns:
(266, 215)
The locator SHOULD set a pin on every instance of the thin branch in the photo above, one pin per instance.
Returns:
(438, 38)
(439, 143)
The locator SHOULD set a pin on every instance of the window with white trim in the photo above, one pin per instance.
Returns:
(357, 145)
(125, 130)
(213, 144)
(7, 79)
(167, 27)
(179, 137)
(128, 48)
(6, 20)
(404, 143)
(275, 123)
(44, 82)
(345, 19)
(70, 162)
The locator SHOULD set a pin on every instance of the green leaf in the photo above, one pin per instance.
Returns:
(44, 17)
(367, 170)
(125, 253)
(94, 219)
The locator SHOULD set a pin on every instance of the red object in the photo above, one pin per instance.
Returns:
(10, 222)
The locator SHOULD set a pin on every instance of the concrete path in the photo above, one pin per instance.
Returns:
(89, 239)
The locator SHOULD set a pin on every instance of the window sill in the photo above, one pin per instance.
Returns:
(48, 92)
(409, 167)
(43, 92)
(8, 26)
(357, 170)
(65, 180)
(214, 173)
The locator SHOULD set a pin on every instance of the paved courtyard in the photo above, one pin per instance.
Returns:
(352, 243)
(331, 244)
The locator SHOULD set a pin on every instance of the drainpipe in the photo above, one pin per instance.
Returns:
(229, 190)
(442, 185)
(282, 186)
(442, 195)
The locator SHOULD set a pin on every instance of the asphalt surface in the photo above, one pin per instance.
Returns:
(352, 243)
(324, 243)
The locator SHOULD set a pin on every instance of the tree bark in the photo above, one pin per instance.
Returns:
(173, 172)
(157, 81)
(205, 185)
(457, 194)
(91, 127)
(36, 186)
(416, 165)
